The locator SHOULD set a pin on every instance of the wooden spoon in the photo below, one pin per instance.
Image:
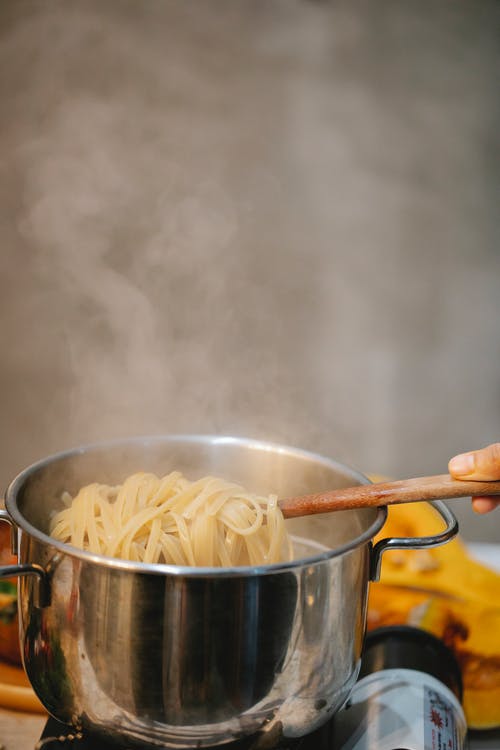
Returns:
(438, 487)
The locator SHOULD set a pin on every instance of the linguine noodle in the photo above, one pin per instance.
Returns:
(208, 522)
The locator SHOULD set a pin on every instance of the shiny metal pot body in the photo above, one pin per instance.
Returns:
(181, 657)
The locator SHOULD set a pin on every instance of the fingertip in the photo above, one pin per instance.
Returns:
(484, 504)
(461, 465)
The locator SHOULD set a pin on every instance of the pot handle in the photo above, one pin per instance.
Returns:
(25, 569)
(422, 542)
(4, 516)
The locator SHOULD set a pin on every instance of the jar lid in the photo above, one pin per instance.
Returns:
(406, 647)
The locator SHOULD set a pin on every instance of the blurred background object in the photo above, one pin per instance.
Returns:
(274, 219)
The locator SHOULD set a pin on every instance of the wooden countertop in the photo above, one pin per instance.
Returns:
(20, 731)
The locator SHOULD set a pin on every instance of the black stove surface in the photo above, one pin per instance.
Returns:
(57, 736)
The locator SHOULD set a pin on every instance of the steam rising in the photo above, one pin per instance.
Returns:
(265, 219)
(138, 246)
(160, 258)
(118, 238)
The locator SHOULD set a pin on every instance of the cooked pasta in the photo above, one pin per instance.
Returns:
(208, 522)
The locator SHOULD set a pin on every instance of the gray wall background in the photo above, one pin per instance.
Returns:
(276, 219)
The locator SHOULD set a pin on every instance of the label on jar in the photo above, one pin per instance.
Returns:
(400, 709)
(441, 731)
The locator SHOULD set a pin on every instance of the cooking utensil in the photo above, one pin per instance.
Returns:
(172, 656)
(438, 487)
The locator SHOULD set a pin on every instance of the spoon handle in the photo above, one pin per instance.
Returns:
(438, 487)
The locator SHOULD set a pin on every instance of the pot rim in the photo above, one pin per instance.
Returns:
(185, 570)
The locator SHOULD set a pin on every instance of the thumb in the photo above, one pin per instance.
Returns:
(483, 465)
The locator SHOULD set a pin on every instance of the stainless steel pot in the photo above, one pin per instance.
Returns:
(178, 657)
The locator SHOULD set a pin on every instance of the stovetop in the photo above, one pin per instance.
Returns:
(323, 739)
(57, 736)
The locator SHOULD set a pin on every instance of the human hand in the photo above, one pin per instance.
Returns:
(482, 465)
